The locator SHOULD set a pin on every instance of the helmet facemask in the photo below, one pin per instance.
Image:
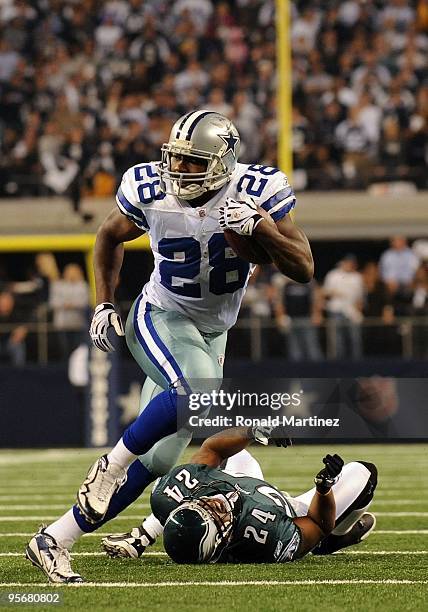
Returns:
(221, 511)
(188, 185)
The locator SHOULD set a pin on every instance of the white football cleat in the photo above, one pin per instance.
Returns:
(54, 560)
(102, 482)
(131, 544)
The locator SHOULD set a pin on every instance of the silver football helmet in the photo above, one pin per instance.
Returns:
(206, 136)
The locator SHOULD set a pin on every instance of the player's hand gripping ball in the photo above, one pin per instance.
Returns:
(239, 219)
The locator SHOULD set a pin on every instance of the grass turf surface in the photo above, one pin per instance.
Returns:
(37, 486)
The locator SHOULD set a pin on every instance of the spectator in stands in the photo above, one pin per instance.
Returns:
(217, 102)
(377, 299)
(417, 139)
(69, 300)
(343, 292)
(419, 309)
(381, 337)
(354, 141)
(258, 306)
(247, 117)
(398, 265)
(34, 292)
(9, 59)
(298, 315)
(304, 30)
(324, 172)
(392, 153)
(370, 116)
(13, 332)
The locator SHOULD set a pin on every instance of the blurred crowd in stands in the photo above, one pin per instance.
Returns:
(89, 88)
(358, 309)
(49, 296)
(352, 312)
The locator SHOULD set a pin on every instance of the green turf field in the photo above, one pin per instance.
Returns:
(387, 572)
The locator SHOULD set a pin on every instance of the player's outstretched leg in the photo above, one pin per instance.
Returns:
(354, 494)
(358, 532)
(54, 560)
(109, 473)
(49, 548)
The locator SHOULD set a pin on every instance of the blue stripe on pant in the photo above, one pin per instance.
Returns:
(163, 349)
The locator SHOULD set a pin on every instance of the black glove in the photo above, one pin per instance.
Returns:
(263, 434)
(329, 475)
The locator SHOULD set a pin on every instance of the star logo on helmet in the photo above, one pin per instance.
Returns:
(231, 142)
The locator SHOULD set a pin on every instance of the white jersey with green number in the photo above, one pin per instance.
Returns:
(196, 273)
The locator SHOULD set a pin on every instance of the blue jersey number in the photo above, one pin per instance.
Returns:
(183, 261)
(148, 191)
(229, 273)
(253, 185)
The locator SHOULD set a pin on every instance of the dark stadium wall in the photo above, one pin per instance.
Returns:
(40, 408)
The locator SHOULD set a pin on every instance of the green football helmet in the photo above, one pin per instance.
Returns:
(196, 533)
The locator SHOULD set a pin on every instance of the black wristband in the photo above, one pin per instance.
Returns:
(322, 488)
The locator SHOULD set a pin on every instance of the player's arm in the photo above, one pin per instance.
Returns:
(320, 519)
(222, 445)
(108, 258)
(108, 253)
(289, 248)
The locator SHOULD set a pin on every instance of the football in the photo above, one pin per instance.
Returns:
(247, 247)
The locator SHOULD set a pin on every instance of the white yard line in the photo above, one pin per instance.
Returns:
(398, 502)
(138, 517)
(47, 506)
(99, 534)
(87, 554)
(400, 531)
(219, 583)
(69, 499)
(46, 496)
(25, 519)
(163, 554)
(401, 513)
(34, 506)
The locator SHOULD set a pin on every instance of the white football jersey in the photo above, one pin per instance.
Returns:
(196, 273)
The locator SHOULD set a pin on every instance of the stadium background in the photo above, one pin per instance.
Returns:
(88, 90)
(336, 93)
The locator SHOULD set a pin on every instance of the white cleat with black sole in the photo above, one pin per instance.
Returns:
(102, 482)
(131, 544)
(55, 562)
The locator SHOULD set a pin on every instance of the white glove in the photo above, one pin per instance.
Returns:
(105, 317)
(241, 217)
(262, 434)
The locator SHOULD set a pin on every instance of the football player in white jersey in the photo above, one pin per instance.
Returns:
(177, 327)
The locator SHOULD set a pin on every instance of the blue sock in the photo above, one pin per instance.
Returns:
(138, 479)
(158, 419)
